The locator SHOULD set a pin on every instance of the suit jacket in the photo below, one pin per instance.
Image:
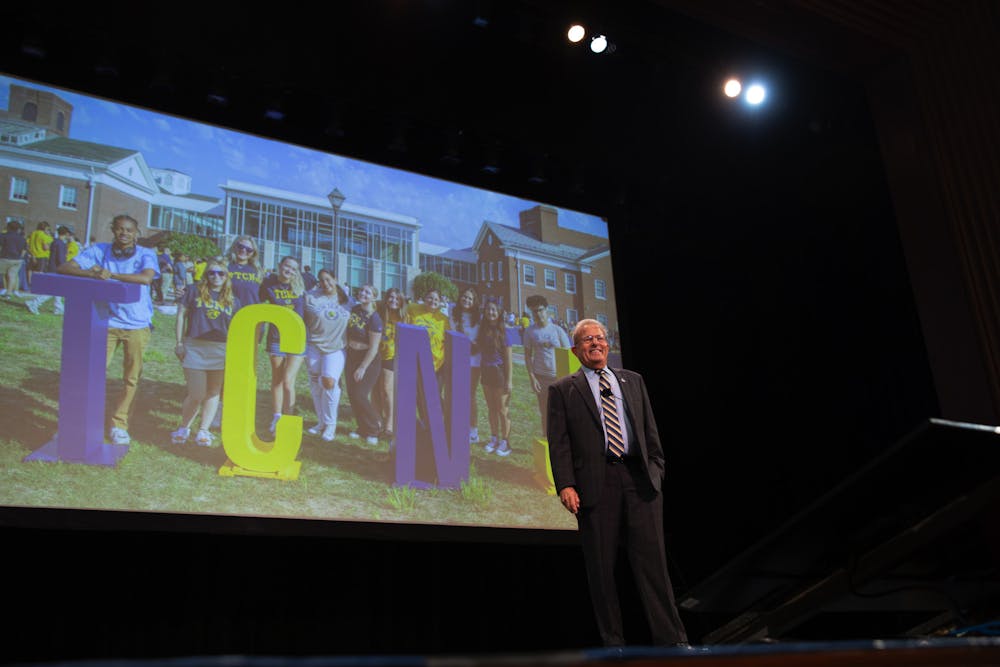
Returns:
(576, 434)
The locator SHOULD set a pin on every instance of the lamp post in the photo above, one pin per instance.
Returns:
(336, 198)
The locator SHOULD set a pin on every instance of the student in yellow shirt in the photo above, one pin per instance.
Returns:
(427, 314)
(39, 243)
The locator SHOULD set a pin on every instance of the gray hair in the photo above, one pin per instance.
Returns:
(587, 323)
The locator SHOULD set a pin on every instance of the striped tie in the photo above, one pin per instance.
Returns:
(616, 445)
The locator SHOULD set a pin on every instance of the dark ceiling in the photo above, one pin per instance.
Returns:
(444, 87)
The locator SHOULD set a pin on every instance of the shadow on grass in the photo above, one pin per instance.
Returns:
(28, 420)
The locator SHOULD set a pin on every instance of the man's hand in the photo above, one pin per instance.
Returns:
(570, 499)
(99, 272)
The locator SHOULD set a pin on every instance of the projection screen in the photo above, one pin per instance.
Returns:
(449, 445)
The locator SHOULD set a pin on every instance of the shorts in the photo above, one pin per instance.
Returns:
(204, 355)
(274, 349)
(8, 264)
(493, 376)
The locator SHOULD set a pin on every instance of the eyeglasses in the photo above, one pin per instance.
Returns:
(215, 272)
(244, 248)
(588, 339)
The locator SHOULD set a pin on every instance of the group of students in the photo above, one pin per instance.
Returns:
(348, 337)
(41, 251)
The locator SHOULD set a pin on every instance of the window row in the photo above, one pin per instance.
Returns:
(569, 281)
(69, 196)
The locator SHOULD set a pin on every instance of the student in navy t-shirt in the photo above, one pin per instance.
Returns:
(203, 319)
(13, 248)
(245, 272)
(362, 366)
(283, 288)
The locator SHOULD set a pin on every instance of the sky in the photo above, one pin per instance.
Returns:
(450, 214)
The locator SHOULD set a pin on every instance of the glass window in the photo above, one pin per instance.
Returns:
(571, 316)
(550, 279)
(357, 272)
(67, 197)
(570, 281)
(529, 274)
(600, 289)
(19, 189)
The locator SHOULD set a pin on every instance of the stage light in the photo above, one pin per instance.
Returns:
(598, 43)
(732, 88)
(576, 33)
(755, 94)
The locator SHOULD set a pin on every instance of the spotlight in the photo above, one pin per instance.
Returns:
(732, 88)
(755, 94)
(598, 43)
(576, 33)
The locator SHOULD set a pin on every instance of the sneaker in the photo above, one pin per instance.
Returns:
(474, 435)
(274, 424)
(32, 307)
(504, 449)
(354, 435)
(180, 436)
(315, 430)
(119, 436)
(491, 445)
(329, 432)
(372, 440)
(203, 439)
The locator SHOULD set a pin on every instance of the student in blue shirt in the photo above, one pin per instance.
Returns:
(128, 323)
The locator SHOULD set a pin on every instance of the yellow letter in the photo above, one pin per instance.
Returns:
(254, 456)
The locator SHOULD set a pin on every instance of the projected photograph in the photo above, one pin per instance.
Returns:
(201, 321)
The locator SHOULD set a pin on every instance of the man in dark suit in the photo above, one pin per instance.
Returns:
(607, 464)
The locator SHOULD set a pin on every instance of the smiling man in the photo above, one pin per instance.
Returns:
(128, 323)
(607, 465)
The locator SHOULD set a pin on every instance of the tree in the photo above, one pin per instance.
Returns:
(192, 245)
(430, 280)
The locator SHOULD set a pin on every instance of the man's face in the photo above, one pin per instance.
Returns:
(591, 347)
(125, 233)
(541, 315)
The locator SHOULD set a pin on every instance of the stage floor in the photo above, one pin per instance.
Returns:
(911, 653)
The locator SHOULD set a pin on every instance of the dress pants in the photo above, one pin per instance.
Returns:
(629, 509)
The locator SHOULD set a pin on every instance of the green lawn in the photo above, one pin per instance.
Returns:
(345, 480)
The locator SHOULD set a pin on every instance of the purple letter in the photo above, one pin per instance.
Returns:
(80, 438)
(415, 364)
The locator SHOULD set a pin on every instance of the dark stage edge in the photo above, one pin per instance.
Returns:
(951, 652)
